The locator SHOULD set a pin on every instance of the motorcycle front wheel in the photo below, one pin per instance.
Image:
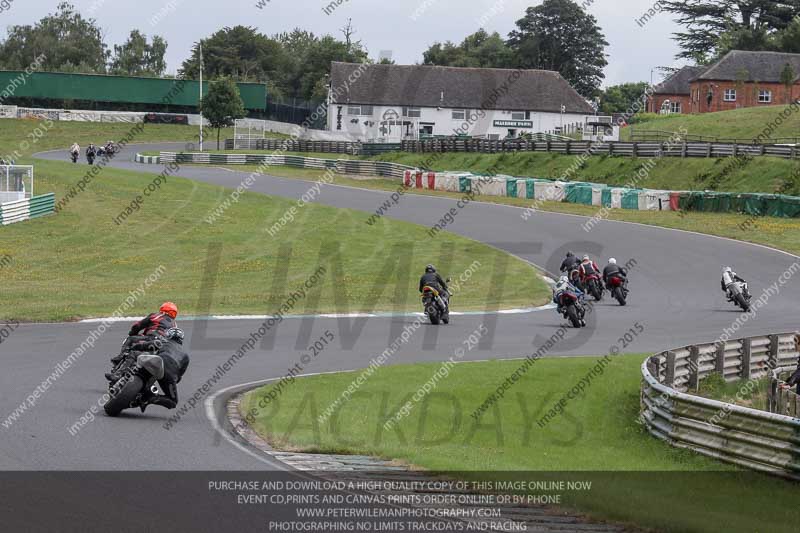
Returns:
(123, 399)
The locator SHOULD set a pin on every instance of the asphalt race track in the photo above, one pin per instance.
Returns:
(675, 295)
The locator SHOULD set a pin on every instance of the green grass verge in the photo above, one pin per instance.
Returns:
(746, 124)
(597, 432)
(80, 263)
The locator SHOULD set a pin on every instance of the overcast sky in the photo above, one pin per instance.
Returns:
(406, 27)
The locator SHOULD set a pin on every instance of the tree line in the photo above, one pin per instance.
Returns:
(557, 35)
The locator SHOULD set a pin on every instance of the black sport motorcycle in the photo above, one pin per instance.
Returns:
(90, 157)
(74, 156)
(437, 308)
(135, 377)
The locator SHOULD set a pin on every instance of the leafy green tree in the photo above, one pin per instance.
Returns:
(222, 105)
(559, 35)
(788, 39)
(745, 24)
(788, 78)
(68, 41)
(481, 49)
(240, 52)
(137, 57)
(620, 98)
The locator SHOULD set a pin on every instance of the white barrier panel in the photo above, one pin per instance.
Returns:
(597, 196)
(549, 191)
(616, 198)
(649, 200)
(12, 196)
(8, 111)
(489, 186)
(522, 189)
(447, 182)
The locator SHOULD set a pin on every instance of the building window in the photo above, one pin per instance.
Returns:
(518, 115)
(730, 95)
(412, 112)
(459, 114)
(764, 97)
(360, 110)
(675, 107)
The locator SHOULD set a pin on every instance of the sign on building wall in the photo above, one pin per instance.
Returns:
(513, 123)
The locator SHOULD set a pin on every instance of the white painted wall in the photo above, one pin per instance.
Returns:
(479, 123)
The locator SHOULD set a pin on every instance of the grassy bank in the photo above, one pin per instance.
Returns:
(29, 136)
(654, 486)
(81, 263)
(746, 124)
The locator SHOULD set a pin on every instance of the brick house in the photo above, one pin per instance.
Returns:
(674, 93)
(740, 79)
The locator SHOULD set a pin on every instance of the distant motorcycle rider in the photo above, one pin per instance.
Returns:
(728, 278)
(564, 286)
(613, 270)
(570, 263)
(75, 148)
(587, 268)
(176, 361)
(143, 332)
(432, 279)
(91, 152)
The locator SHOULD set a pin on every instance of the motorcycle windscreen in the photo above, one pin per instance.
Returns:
(153, 364)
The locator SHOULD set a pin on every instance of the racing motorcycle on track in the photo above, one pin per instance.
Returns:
(738, 294)
(594, 286)
(436, 308)
(74, 156)
(135, 377)
(572, 307)
(618, 289)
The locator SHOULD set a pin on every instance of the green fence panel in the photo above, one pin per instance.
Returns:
(790, 206)
(630, 199)
(605, 197)
(754, 204)
(529, 188)
(465, 184)
(511, 188)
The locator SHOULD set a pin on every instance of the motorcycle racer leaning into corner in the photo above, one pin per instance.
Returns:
(728, 278)
(145, 331)
(560, 288)
(432, 279)
(176, 361)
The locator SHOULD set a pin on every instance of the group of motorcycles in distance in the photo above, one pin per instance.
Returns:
(582, 278)
(93, 152)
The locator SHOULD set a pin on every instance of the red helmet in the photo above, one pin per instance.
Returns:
(170, 309)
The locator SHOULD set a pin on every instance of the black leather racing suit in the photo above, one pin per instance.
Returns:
(176, 361)
(435, 281)
(569, 264)
(614, 270)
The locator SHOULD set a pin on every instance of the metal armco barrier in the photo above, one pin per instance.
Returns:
(567, 147)
(629, 149)
(341, 166)
(147, 159)
(288, 145)
(751, 438)
(17, 211)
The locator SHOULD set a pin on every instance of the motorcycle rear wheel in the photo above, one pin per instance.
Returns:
(123, 399)
(619, 295)
(743, 303)
(572, 315)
